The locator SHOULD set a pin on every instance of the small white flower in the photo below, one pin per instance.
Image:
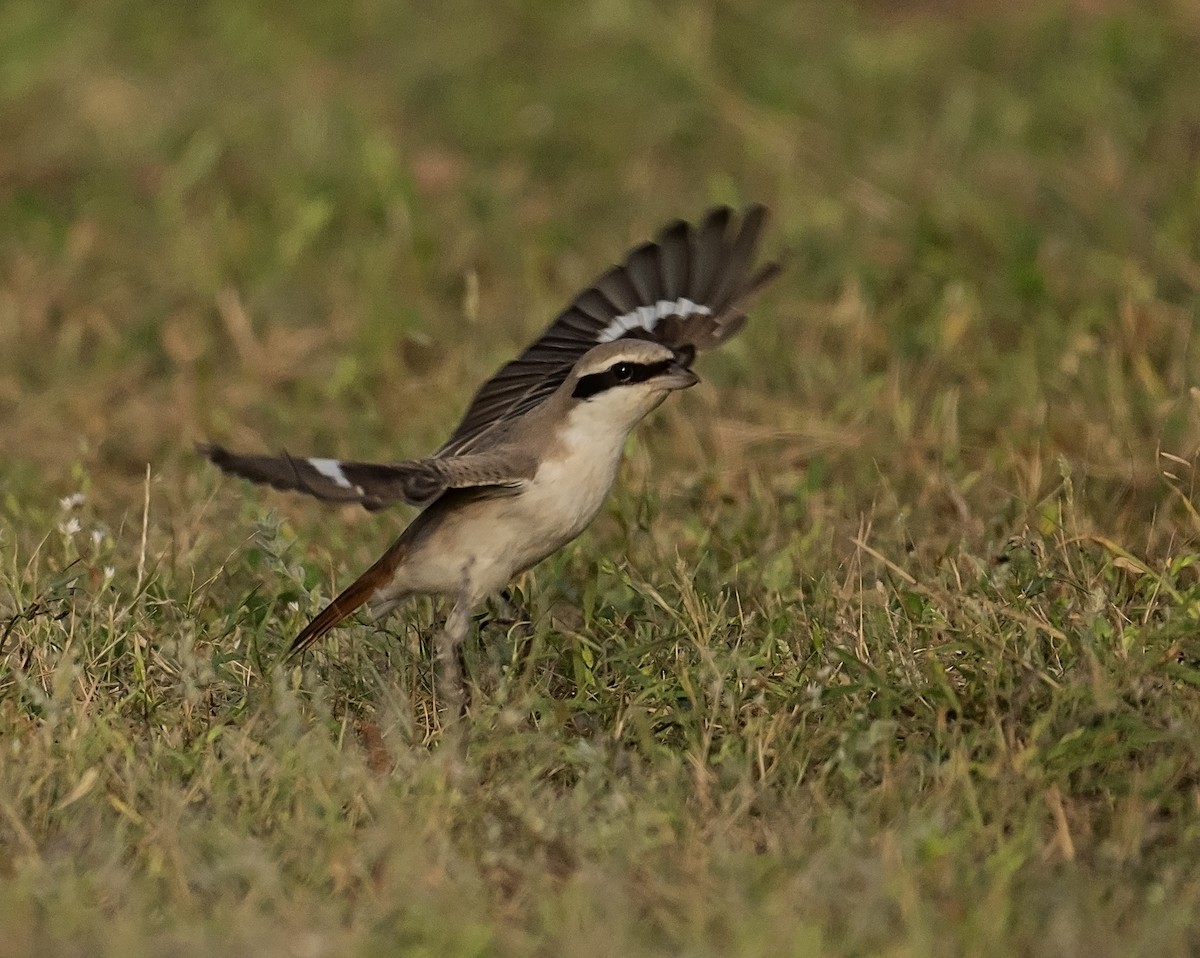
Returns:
(73, 501)
(98, 536)
(109, 572)
(70, 527)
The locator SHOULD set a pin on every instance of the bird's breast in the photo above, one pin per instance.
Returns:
(572, 482)
(479, 546)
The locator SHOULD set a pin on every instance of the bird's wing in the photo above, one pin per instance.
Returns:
(376, 485)
(687, 289)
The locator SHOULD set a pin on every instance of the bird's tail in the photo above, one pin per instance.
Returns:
(354, 595)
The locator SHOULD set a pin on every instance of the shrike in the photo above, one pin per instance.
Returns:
(537, 452)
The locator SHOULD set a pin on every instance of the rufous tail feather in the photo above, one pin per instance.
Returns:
(350, 598)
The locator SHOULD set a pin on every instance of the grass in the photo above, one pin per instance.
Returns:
(886, 643)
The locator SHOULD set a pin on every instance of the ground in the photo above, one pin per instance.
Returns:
(887, 641)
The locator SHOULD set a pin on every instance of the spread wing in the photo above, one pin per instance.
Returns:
(376, 485)
(687, 289)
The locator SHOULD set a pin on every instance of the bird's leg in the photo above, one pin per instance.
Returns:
(503, 610)
(504, 629)
(519, 622)
(511, 611)
(449, 664)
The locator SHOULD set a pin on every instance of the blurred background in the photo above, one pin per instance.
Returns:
(318, 226)
(886, 641)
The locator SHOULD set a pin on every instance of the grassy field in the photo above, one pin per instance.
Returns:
(888, 642)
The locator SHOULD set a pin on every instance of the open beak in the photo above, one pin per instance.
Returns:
(678, 376)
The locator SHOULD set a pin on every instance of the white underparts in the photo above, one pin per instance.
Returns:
(331, 469)
(648, 317)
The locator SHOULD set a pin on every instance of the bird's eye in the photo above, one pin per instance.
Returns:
(623, 372)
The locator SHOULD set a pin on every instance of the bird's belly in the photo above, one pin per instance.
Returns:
(478, 548)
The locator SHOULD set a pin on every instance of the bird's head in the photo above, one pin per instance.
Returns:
(624, 380)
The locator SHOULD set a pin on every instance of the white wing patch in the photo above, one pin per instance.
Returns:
(331, 469)
(647, 317)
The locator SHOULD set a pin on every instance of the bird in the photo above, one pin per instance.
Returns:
(538, 449)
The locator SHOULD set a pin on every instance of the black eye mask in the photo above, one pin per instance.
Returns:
(619, 374)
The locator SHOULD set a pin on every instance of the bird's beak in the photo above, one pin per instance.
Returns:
(678, 376)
